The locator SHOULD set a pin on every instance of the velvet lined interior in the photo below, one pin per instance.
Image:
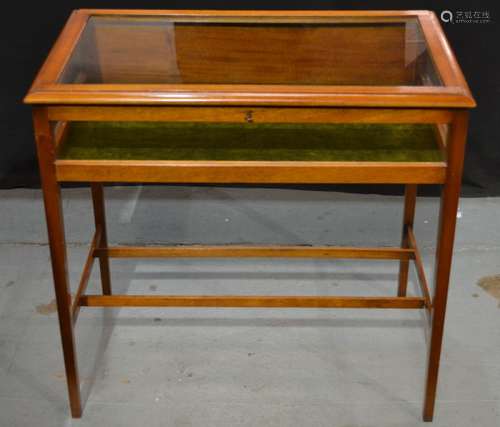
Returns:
(235, 141)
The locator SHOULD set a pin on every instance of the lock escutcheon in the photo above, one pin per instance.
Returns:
(249, 116)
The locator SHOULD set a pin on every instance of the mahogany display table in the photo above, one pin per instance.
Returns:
(224, 97)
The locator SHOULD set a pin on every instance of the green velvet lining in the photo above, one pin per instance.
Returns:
(202, 141)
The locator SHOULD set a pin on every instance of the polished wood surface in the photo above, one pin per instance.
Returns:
(250, 301)
(445, 106)
(249, 115)
(408, 216)
(100, 224)
(252, 95)
(419, 265)
(252, 54)
(321, 55)
(444, 252)
(57, 243)
(254, 251)
(84, 279)
(232, 172)
(453, 93)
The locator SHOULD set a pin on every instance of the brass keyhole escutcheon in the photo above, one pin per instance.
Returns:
(249, 117)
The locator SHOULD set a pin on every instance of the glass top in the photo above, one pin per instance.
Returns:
(131, 49)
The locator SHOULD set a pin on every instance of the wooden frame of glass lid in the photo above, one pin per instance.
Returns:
(452, 92)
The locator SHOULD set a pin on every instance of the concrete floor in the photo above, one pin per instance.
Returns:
(229, 367)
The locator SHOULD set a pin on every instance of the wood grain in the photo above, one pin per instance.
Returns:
(330, 98)
(250, 301)
(251, 251)
(84, 279)
(410, 200)
(444, 253)
(100, 224)
(419, 265)
(234, 172)
(241, 115)
(455, 93)
(57, 242)
(250, 95)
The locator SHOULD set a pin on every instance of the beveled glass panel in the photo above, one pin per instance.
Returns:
(165, 50)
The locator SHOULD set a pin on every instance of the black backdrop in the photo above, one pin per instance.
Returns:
(28, 31)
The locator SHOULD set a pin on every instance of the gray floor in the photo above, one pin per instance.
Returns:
(228, 367)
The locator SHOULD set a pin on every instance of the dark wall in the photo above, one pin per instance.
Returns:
(29, 30)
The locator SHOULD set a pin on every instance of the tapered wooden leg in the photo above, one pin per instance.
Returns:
(100, 222)
(408, 216)
(55, 227)
(447, 220)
